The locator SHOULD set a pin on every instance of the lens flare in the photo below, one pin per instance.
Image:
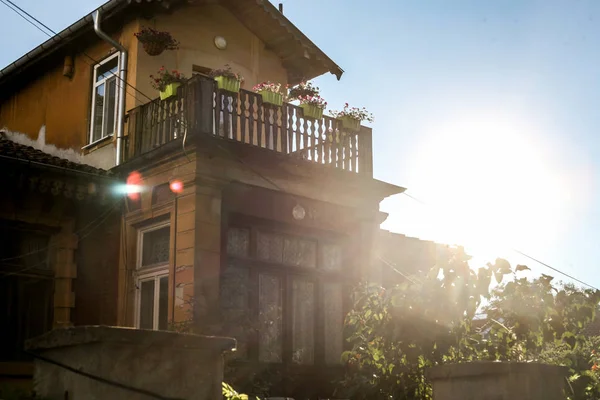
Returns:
(134, 186)
(176, 186)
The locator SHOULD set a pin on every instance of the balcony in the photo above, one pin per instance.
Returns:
(199, 108)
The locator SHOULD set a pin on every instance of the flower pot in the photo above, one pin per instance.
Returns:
(311, 111)
(170, 90)
(228, 84)
(349, 123)
(271, 97)
(153, 48)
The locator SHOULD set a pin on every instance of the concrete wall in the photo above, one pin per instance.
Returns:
(498, 381)
(166, 363)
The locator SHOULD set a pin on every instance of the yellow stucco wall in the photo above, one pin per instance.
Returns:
(59, 103)
(62, 104)
(195, 27)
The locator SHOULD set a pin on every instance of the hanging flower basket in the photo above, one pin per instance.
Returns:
(349, 123)
(273, 98)
(155, 42)
(170, 90)
(153, 48)
(228, 83)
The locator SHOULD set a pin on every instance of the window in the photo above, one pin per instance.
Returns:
(152, 277)
(26, 289)
(290, 289)
(104, 98)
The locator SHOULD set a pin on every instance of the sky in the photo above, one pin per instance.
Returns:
(486, 111)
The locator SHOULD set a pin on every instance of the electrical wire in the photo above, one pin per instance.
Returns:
(102, 217)
(22, 16)
(521, 252)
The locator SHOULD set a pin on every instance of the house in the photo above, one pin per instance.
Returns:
(240, 219)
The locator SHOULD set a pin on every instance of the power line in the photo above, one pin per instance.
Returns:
(522, 253)
(22, 16)
(114, 74)
(102, 217)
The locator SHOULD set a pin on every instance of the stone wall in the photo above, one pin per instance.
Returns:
(498, 381)
(168, 364)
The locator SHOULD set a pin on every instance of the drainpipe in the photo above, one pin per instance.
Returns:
(122, 82)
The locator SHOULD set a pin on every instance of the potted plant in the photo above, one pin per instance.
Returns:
(269, 92)
(155, 42)
(312, 106)
(227, 79)
(303, 89)
(351, 117)
(167, 82)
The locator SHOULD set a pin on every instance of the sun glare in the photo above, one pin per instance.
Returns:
(493, 185)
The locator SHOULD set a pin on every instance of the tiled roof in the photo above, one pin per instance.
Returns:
(16, 151)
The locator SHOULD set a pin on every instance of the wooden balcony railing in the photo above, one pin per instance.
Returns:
(200, 109)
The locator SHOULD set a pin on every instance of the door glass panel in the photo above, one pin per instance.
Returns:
(269, 319)
(147, 304)
(303, 321)
(334, 322)
(238, 242)
(234, 305)
(299, 252)
(331, 256)
(163, 303)
(269, 247)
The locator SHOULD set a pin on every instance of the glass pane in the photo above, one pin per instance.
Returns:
(269, 247)
(234, 303)
(155, 246)
(111, 104)
(269, 319)
(107, 69)
(334, 322)
(303, 322)
(147, 305)
(98, 112)
(299, 252)
(238, 241)
(163, 303)
(332, 257)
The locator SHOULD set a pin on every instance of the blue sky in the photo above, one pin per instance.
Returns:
(485, 110)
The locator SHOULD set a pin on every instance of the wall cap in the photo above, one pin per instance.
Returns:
(81, 335)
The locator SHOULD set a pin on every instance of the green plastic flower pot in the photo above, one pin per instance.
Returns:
(170, 90)
(273, 98)
(228, 84)
(349, 123)
(311, 111)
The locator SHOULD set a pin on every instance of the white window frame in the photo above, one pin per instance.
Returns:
(117, 100)
(155, 272)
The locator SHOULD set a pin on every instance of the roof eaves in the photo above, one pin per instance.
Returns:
(301, 38)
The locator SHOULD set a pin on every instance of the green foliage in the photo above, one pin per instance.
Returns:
(397, 333)
(230, 394)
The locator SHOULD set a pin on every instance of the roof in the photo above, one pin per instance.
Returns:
(10, 150)
(299, 55)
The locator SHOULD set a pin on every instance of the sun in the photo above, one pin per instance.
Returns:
(491, 181)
